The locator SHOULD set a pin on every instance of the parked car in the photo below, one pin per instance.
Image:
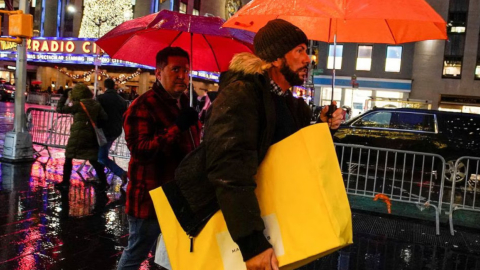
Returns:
(450, 135)
(6, 91)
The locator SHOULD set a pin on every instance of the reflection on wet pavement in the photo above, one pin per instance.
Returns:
(42, 228)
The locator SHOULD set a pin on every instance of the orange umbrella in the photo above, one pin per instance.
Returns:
(359, 21)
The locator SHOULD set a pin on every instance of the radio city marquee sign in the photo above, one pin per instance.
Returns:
(63, 51)
(56, 45)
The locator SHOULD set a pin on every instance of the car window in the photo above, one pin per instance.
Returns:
(414, 121)
(462, 125)
(377, 119)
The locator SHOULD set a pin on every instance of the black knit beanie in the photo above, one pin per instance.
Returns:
(277, 38)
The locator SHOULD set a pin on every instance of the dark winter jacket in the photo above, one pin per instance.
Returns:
(238, 132)
(115, 106)
(82, 143)
(156, 146)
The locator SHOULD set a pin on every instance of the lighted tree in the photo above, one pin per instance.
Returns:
(100, 16)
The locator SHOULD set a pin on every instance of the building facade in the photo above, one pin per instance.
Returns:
(64, 21)
(432, 74)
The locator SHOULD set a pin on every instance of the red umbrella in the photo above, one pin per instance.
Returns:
(210, 46)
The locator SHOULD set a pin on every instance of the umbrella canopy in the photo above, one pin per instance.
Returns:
(359, 21)
(210, 46)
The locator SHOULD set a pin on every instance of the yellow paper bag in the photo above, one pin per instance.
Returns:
(303, 203)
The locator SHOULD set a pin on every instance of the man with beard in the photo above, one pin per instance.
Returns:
(254, 109)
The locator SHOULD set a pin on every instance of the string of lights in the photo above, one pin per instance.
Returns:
(122, 78)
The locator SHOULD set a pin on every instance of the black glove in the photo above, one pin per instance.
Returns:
(187, 117)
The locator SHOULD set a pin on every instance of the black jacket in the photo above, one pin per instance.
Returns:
(115, 106)
(220, 173)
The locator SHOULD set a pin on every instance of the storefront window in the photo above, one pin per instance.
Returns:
(388, 99)
(356, 100)
(364, 58)
(394, 59)
(338, 57)
(326, 96)
(471, 109)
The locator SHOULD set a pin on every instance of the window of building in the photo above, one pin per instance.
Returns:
(338, 57)
(182, 8)
(477, 68)
(394, 59)
(455, 45)
(196, 7)
(364, 57)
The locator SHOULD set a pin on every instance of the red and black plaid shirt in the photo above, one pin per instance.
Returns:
(156, 146)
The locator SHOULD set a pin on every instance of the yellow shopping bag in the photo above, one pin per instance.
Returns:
(303, 203)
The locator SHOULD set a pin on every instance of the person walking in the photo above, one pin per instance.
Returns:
(160, 130)
(115, 107)
(253, 110)
(82, 143)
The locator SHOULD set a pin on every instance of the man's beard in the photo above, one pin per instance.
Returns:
(292, 77)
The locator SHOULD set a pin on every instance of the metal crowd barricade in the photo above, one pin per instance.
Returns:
(52, 129)
(49, 128)
(466, 186)
(119, 148)
(403, 176)
(38, 98)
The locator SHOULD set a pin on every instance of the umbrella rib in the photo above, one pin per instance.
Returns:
(389, 29)
(125, 42)
(213, 52)
(329, 30)
(174, 39)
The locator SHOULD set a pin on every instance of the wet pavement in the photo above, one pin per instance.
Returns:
(42, 228)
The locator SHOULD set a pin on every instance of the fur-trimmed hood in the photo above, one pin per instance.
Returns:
(248, 63)
(245, 65)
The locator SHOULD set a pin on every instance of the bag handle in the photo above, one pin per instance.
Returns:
(86, 111)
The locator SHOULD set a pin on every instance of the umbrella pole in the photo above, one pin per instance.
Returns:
(332, 108)
(191, 69)
(334, 60)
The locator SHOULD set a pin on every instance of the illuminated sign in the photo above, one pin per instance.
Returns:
(206, 75)
(56, 45)
(61, 58)
(81, 51)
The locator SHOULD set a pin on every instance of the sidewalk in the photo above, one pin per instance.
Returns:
(41, 228)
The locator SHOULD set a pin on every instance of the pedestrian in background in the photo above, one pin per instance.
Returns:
(82, 143)
(160, 130)
(115, 106)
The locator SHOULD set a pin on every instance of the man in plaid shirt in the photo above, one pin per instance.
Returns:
(160, 130)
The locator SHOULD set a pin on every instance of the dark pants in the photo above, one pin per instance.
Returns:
(99, 169)
(105, 160)
(143, 235)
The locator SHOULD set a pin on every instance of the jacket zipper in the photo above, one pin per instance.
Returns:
(191, 243)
